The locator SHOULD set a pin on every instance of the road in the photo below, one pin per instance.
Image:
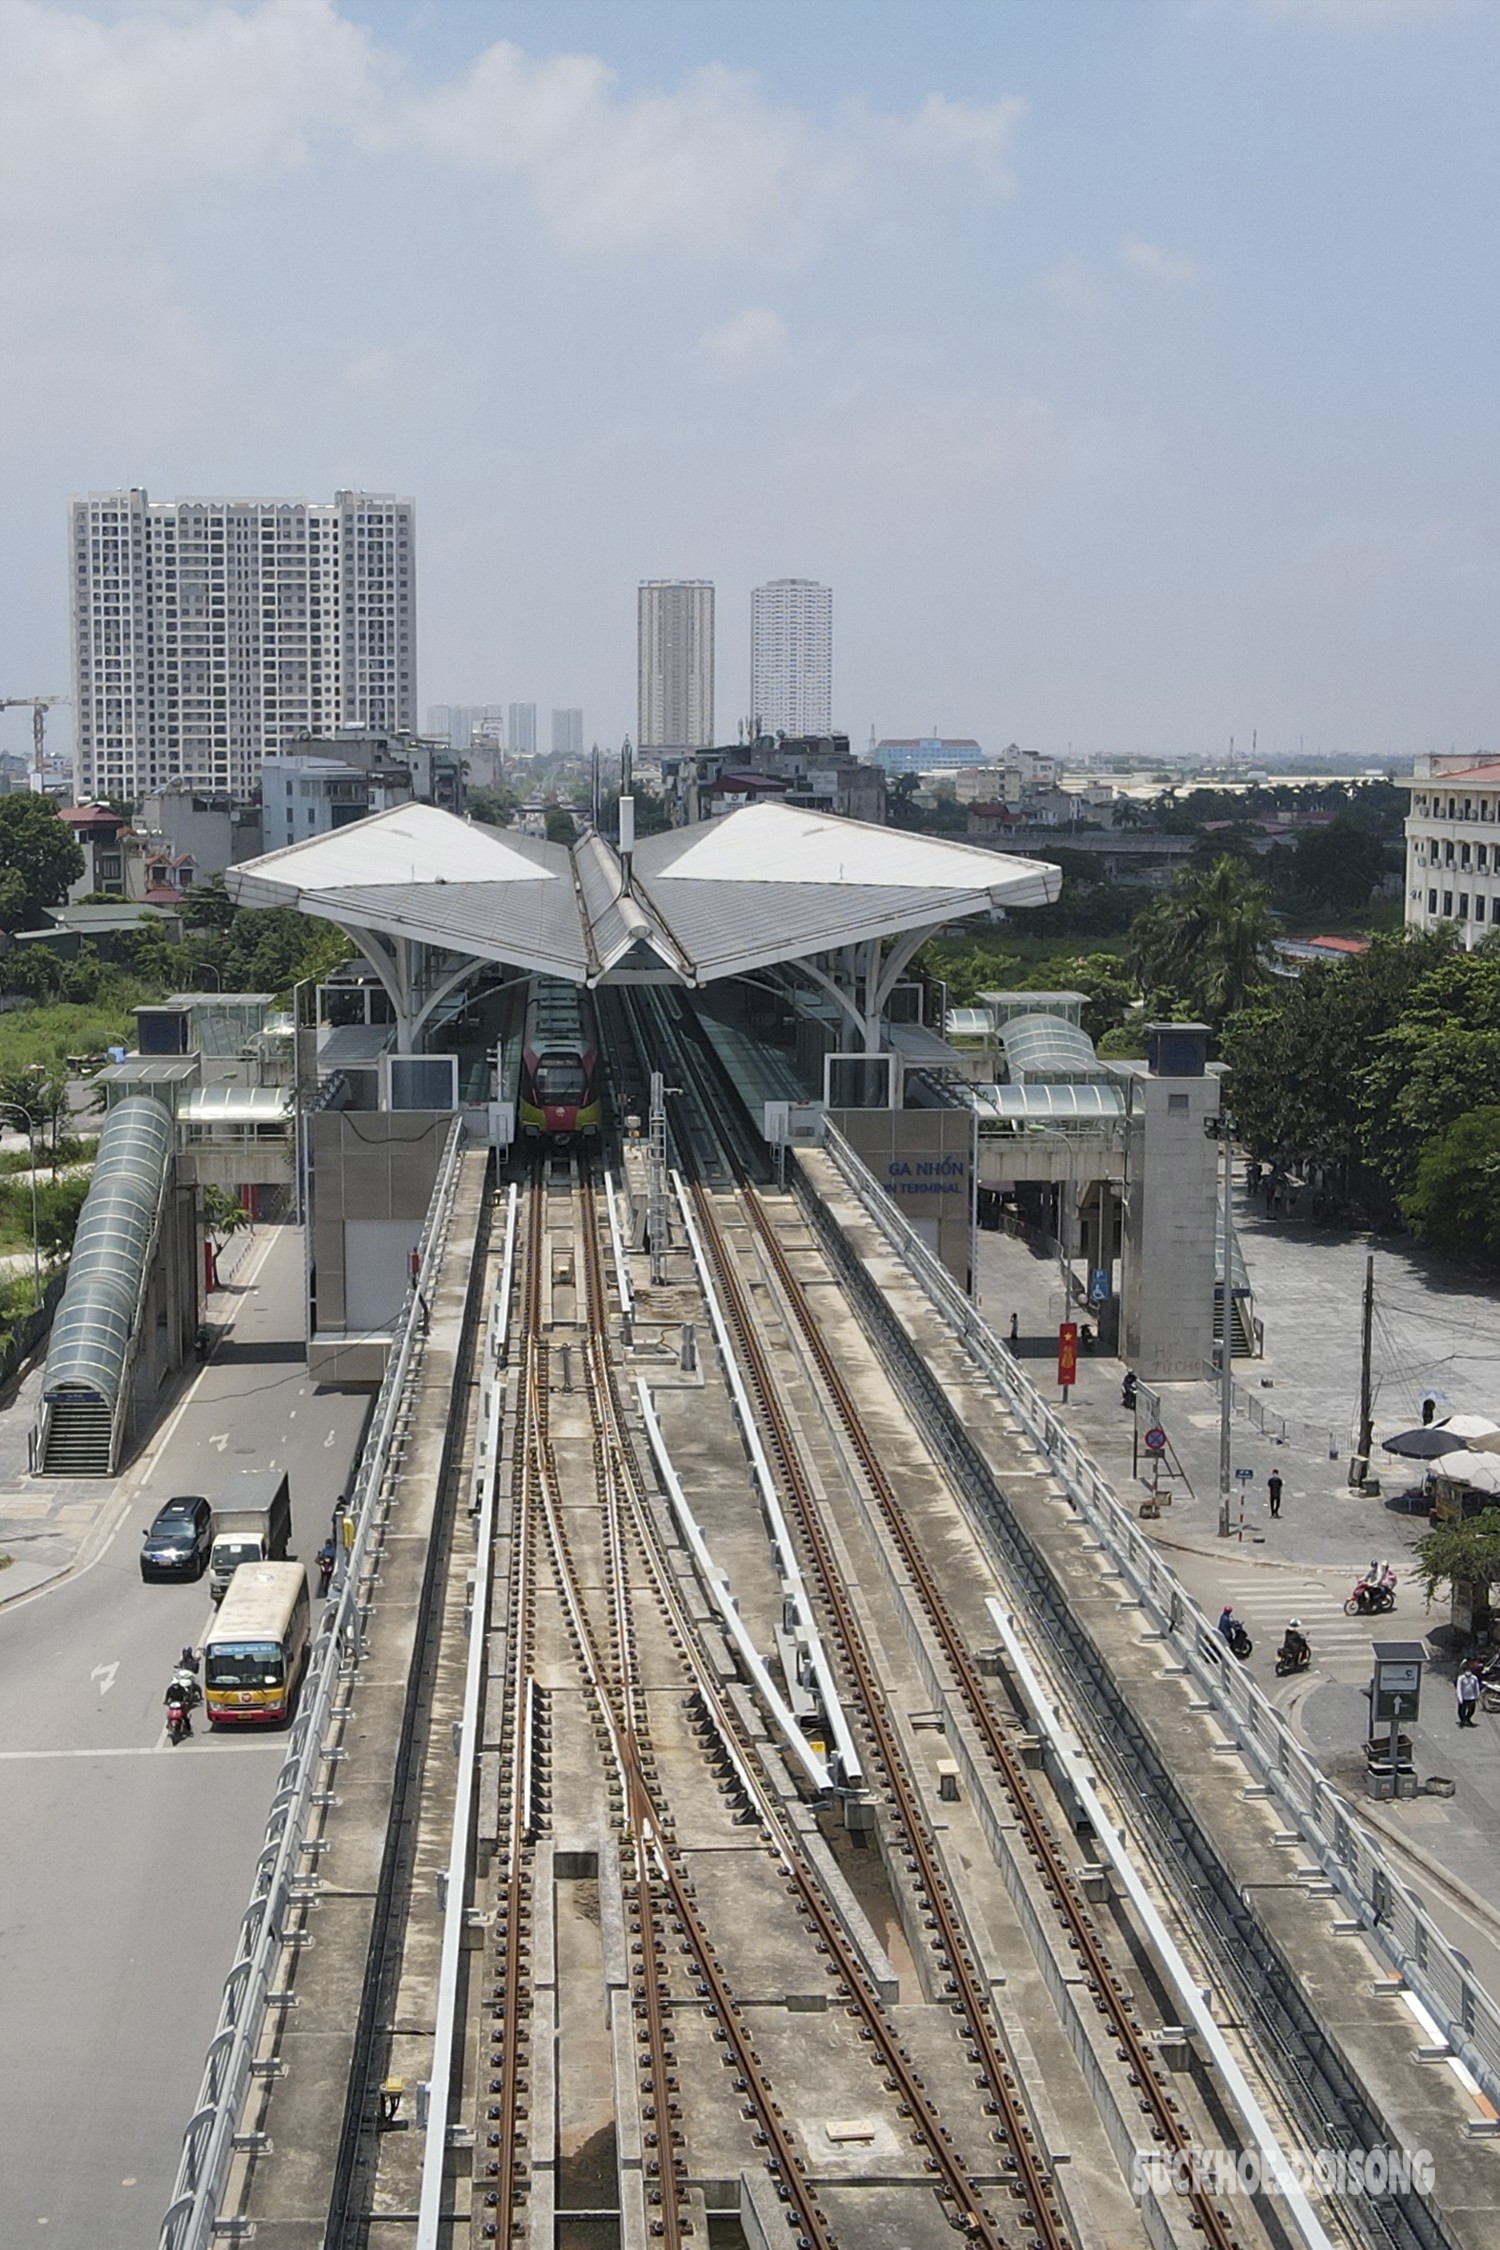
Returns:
(125, 1864)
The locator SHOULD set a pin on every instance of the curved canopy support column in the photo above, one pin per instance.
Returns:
(403, 967)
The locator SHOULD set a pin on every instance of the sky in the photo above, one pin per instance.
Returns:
(1127, 367)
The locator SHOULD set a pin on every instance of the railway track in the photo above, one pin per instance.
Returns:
(1081, 1930)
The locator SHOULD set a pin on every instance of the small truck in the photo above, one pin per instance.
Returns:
(252, 1523)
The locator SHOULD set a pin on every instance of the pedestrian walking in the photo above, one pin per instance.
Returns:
(1273, 1491)
(1015, 1330)
(1468, 1695)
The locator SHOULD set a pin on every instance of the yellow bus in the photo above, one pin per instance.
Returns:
(257, 1646)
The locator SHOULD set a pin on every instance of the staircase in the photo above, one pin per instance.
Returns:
(78, 1437)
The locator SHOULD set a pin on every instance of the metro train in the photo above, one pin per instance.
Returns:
(559, 1096)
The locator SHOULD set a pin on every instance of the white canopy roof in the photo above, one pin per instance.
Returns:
(765, 884)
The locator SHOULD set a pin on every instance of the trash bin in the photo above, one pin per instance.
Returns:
(1380, 1779)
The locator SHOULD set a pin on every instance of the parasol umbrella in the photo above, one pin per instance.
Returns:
(1480, 1471)
(1470, 1426)
(1487, 1444)
(1426, 1444)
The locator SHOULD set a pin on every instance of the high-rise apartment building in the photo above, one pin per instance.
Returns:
(675, 664)
(567, 734)
(520, 730)
(207, 633)
(791, 657)
(459, 723)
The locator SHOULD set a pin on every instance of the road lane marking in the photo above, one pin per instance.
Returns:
(220, 1441)
(105, 1675)
(331, 1439)
(139, 1750)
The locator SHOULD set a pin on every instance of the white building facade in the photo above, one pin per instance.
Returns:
(791, 657)
(520, 730)
(1453, 845)
(675, 664)
(207, 633)
(567, 734)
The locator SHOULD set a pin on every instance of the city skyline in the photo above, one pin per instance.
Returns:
(1105, 436)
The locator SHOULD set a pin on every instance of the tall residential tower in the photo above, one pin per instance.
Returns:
(791, 657)
(207, 633)
(675, 664)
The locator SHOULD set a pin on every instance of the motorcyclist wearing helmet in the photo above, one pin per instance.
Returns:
(1294, 1648)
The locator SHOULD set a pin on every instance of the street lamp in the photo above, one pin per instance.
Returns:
(36, 1252)
(216, 974)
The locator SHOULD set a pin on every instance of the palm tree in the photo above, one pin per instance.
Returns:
(1202, 944)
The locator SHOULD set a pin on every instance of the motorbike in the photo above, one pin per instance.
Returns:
(179, 1718)
(185, 1680)
(1237, 1640)
(1375, 1593)
(1292, 1659)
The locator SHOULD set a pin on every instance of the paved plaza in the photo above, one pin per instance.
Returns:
(1432, 1331)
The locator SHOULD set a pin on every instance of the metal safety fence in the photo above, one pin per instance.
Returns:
(1464, 2013)
(209, 2142)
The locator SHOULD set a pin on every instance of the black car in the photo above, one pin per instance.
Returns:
(178, 1543)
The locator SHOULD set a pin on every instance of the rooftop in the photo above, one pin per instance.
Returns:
(768, 883)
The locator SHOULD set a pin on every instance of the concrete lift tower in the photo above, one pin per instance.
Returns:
(39, 706)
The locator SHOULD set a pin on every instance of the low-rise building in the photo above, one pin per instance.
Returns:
(816, 772)
(1453, 845)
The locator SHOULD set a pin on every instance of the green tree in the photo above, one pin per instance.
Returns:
(58, 1205)
(1201, 945)
(35, 1098)
(1299, 1112)
(1438, 1059)
(497, 808)
(38, 859)
(1461, 1554)
(1335, 869)
(562, 828)
(1453, 1204)
(223, 1217)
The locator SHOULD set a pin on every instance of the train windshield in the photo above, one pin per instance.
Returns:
(559, 1078)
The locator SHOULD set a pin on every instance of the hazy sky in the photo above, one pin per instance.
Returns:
(1128, 367)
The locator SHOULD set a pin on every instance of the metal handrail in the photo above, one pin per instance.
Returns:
(1347, 1855)
(208, 2142)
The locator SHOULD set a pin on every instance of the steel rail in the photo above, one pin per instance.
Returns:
(1033, 2181)
(431, 2217)
(785, 2162)
(1186, 1992)
(1082, 1932)
(1022, 2152)
(783, 1546)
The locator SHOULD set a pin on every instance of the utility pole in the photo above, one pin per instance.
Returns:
(1226, 1355)
(1360, 1467)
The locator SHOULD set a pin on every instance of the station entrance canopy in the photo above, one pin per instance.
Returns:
(426, 896)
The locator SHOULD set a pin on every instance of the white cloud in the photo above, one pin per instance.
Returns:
(980, 132)
(1150, 258)
(746, 340)
(155, 103)
(1076, 282)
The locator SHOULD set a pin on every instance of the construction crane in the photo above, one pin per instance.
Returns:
(39, 706)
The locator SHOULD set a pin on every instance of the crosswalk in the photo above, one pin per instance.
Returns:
(1263, 1601)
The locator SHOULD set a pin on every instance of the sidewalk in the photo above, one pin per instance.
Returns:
(1305, 1563)
(50, 1524)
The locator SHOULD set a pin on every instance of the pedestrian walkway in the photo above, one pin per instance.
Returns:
(1305, 1563)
